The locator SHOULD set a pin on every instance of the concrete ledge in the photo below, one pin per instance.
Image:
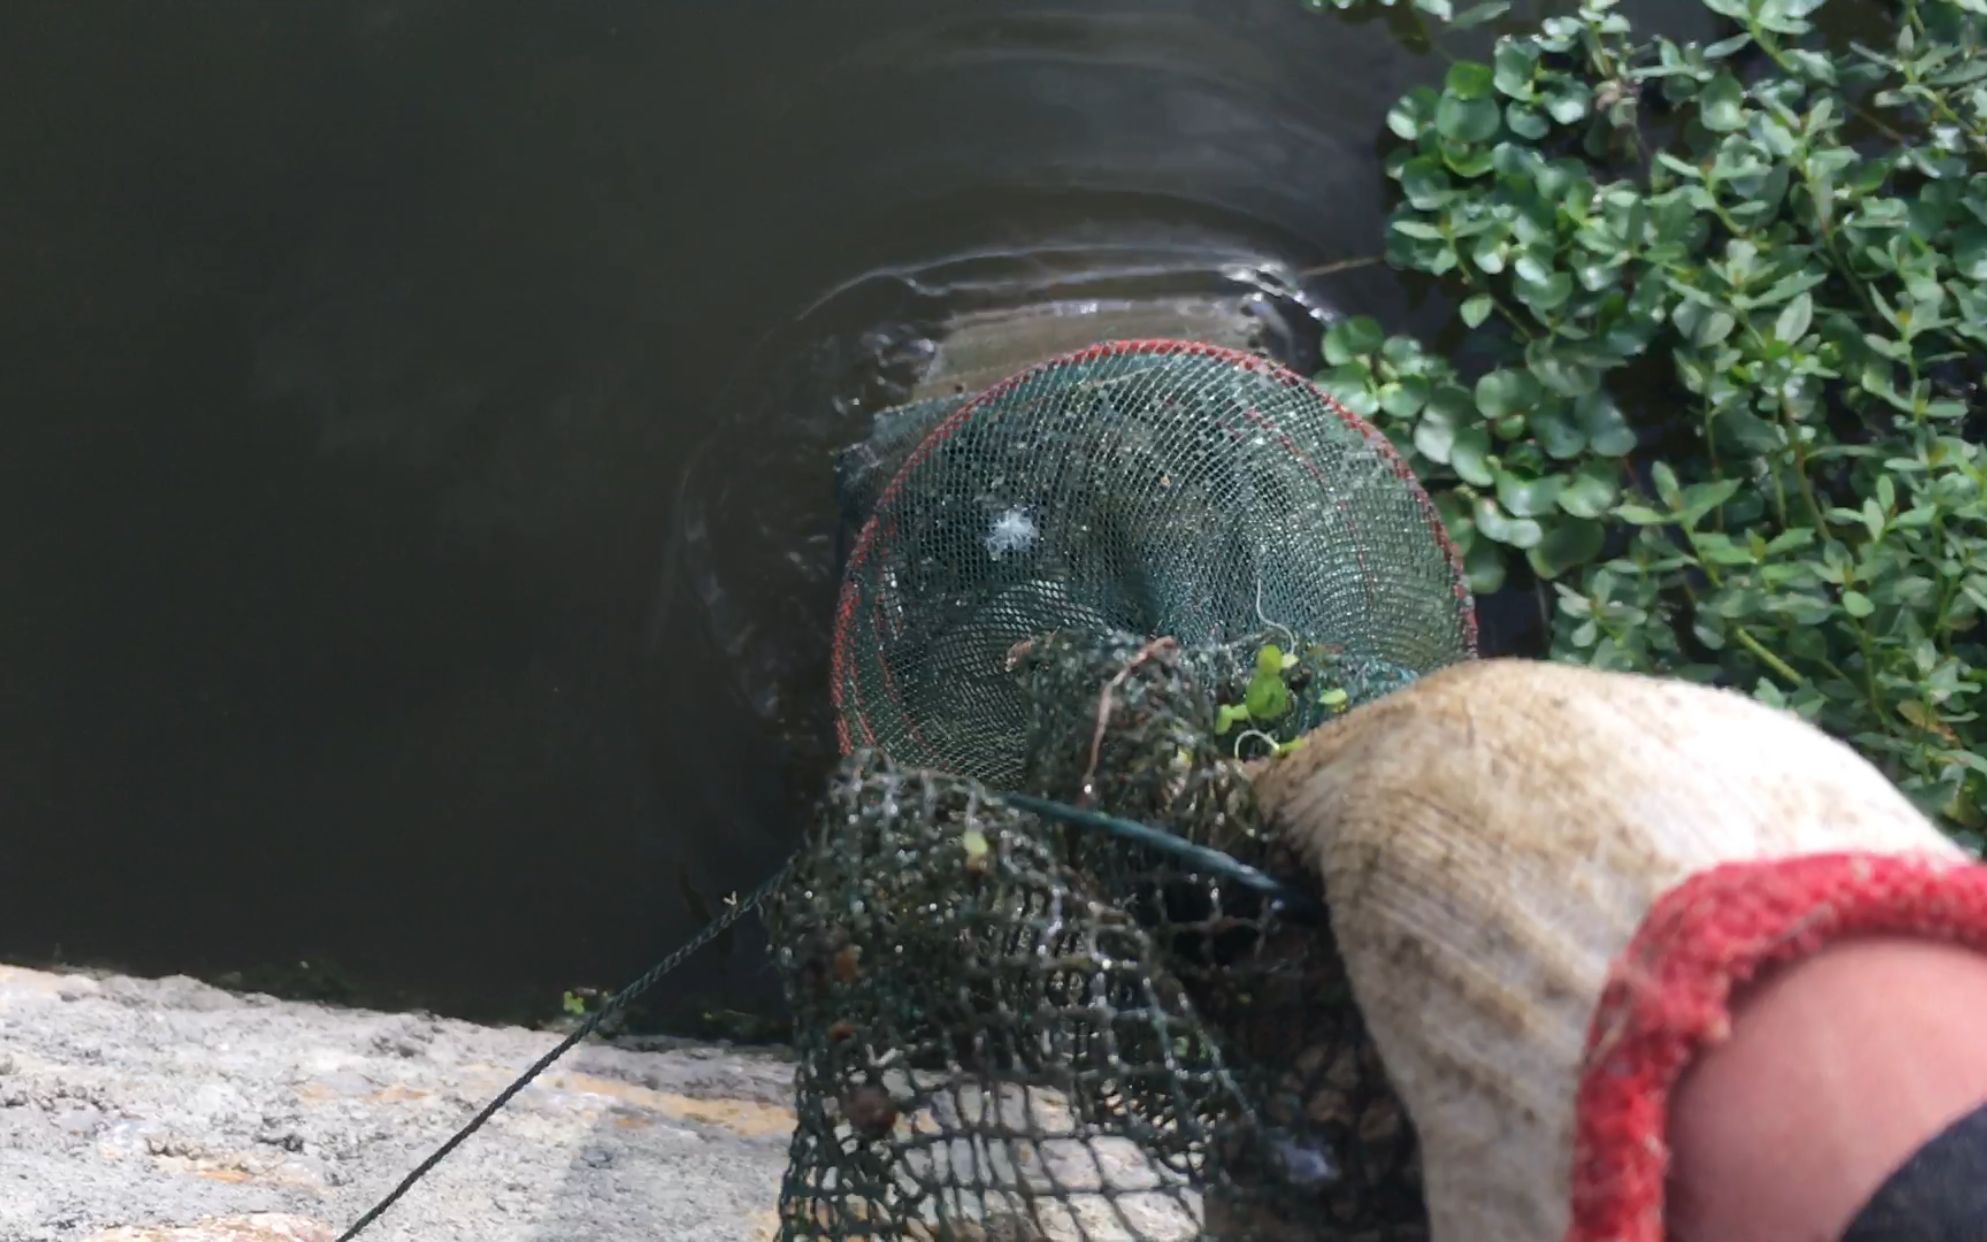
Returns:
(169, 1111)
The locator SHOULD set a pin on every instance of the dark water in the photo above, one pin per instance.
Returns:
(417, 526)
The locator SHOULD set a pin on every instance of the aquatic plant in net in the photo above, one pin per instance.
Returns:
(1012, 1022)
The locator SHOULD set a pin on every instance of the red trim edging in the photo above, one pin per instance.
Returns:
(1666, 998)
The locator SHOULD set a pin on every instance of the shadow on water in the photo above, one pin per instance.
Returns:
(418, 524)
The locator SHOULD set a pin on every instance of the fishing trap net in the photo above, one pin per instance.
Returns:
(1051, 975)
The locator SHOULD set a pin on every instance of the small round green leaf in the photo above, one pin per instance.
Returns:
(1353, 338)
(1506, 392)
(1568, 101)
(1435, 432)
(1546, 295)
(1494, 523)
(1591, 490)
(1469, 79)
(1523, 496)
(1352, 386)
(1426, 183)
(1476, 309)
(1435, 439)
(1452, 402)
(1714, 328)
(1526, 122)
(1608, 433)
(1469, 455)
(1405, 355)
(1568, 544)
(1561, 370)
(1404, 398)
(1557, 431)
(1721, 106)
(1467, 160)
(1517, 61)
(1413, 114)
(1467, 120)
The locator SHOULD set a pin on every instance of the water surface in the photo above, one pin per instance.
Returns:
(418, 523)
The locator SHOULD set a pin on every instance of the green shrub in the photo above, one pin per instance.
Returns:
(1735, 301)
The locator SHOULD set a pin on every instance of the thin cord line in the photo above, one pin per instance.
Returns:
(611, 1006)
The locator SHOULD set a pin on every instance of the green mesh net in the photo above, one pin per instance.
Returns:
(1140, 487)
(1102, 583)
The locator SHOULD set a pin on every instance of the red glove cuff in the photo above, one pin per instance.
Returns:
(1666, 998)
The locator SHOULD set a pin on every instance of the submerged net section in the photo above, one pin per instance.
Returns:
(1014, 1020)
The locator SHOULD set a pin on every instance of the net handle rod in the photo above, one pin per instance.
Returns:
(1294, 904)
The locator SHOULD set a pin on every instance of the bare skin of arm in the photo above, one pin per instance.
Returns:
(1837, 1070)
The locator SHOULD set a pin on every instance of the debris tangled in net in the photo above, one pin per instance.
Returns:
(1012, 1028)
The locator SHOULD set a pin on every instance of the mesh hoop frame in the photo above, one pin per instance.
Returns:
(1137, 486)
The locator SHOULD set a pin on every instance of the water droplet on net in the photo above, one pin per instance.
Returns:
(1306, 1163)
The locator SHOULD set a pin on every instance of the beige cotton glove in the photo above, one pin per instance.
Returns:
(1545, 880)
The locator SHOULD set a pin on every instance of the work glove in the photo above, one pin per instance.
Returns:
(1546, 881)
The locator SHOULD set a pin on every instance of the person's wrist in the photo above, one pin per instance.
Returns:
(1838, 1068)
(1667, 1011)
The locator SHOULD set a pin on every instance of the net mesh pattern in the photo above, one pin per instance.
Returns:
(1153, 487)
(1009, 1024)
(1009, 1028)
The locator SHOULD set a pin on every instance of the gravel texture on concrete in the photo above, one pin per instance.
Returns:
(166, 1110)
